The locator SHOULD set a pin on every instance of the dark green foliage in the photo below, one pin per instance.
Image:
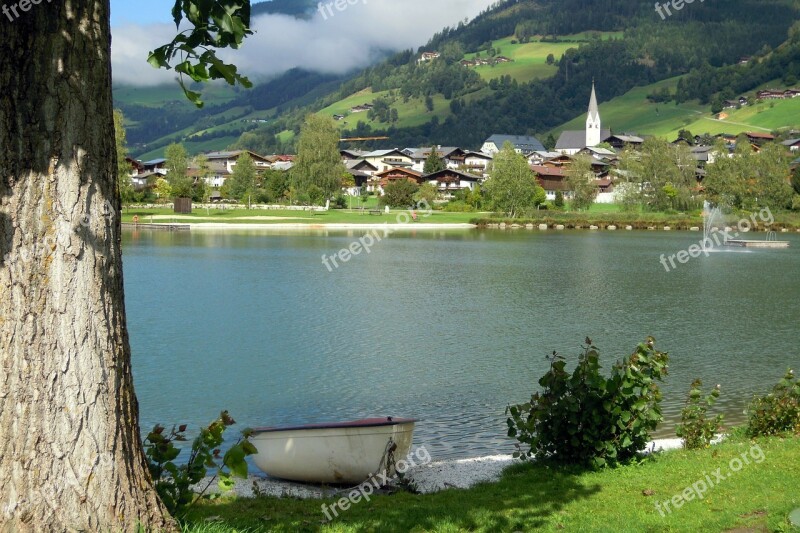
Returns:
(586, 418)
(215, 24)
(433, 163)
(696, 429)
(399, 193)
(559, 201)
(796, 179)
(173, 482)
(777, 412)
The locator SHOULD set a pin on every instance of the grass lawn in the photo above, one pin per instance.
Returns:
(533, 497)
(334, 216)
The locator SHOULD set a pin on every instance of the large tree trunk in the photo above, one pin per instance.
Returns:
(70, 453)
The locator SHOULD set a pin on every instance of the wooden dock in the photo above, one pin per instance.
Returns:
(757, 244)
(162, 227)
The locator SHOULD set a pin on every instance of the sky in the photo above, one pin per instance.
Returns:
(332, 41)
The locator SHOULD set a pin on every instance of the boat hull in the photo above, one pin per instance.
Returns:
(341, 453)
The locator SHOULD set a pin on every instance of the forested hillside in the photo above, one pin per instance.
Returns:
(700, 39)
(455, 105)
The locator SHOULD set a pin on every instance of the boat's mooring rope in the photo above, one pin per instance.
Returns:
(386, 459)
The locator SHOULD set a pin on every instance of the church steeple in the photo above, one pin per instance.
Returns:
(593, 123)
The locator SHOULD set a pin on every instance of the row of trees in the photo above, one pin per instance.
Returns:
(659, 176)
(751, 180)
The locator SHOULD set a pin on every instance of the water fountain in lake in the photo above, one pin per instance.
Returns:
(710, 216)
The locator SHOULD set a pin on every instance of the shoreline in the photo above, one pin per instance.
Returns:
(411, 227)
(334, 226)
(427, 478)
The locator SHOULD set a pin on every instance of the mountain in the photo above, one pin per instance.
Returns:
(541, 59)
(295, 8)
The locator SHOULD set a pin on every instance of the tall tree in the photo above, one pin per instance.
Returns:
(243, 178)
(71, 456)
(126, 192)
(665, 174)
(318, 161)
(512, 187)
(433, 163)
(200, 187)
(772, 175)
(581, 182)
(177, 171)
(70, 452)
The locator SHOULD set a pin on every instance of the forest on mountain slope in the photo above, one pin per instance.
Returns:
(704, 40)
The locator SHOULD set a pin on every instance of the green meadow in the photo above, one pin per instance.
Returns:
(633, 112)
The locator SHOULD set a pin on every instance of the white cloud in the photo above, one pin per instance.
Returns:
(332, 41)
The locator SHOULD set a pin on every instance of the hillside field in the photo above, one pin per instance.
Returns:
(530, 59)
(632, 112)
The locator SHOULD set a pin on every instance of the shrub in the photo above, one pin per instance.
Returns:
(399, 193)
(559, 201)
(588, 419)
(174, 483)
(696, 429)
(458, 206)
(777, 412)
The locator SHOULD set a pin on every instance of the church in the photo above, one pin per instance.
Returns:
(572, 142)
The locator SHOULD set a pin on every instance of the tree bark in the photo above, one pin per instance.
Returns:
(71, 457)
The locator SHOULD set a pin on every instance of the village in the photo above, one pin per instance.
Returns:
(465, 168)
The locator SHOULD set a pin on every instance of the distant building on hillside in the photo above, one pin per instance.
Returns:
(428, 56)
(523, 144)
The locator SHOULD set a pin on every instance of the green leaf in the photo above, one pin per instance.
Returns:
(225, 483)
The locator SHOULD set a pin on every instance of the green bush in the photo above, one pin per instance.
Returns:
(174, 482)
(586, 418)
(696, 429)
(559, 201)
(777, 412)
(399, 193)
(458, 206)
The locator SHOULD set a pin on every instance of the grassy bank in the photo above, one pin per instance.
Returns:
(639, 221)
(601, 216)
(754, 497)
(285, 216)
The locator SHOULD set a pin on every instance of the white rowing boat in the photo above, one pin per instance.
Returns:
(337, 453)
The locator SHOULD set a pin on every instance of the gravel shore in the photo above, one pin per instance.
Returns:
(427, 478)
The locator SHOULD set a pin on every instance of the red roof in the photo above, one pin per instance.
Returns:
(756, 135)
(541, 170)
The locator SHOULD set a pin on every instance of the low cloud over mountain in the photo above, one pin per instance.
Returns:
(331, 41)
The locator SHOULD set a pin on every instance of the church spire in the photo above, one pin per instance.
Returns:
(594, 112)
(593, 124)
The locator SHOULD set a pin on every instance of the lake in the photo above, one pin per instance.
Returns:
(445, 326)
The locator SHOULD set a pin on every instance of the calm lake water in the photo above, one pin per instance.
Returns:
(445, 326)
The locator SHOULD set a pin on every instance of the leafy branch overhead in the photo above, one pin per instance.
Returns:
(216, 24)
